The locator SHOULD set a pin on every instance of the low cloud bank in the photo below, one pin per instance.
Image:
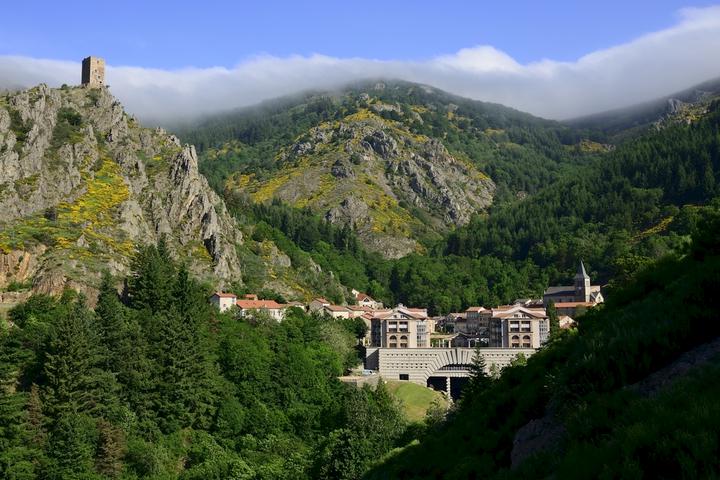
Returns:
(650, 66)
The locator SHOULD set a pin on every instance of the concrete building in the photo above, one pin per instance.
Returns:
(519, 327)
(223, 301)
(440, 368)
(401, 327)
(93, 72)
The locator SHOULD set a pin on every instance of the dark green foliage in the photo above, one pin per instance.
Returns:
(553, 319)
(618, 210)
(74, 379)
(479, 380)
(598, 212)
(68, 128)
(164, 386)
(611, 432)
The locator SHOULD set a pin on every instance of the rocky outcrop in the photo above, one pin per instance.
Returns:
(372, 173)
(81, 183)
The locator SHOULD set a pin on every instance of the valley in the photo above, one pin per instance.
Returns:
(182, 305)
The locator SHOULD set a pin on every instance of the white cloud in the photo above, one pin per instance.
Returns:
(653, 65)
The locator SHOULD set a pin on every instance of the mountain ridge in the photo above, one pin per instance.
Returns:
(82, 183)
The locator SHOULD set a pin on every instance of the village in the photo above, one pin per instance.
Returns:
(405, 343)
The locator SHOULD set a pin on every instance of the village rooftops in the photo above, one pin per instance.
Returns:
(507, 311)
(574, 304)
(359, 308)
(475, 309)
(225, 295)
(336, 308)
(259, 304)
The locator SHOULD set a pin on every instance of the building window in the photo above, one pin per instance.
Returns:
(404, 376)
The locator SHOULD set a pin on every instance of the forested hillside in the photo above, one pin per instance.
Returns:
(597, 412)
(619, 210)
(400, 163)
(158, 384)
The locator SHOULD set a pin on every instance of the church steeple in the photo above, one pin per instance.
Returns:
(582, 284)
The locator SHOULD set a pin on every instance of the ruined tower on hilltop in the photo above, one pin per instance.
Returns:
(93, 72)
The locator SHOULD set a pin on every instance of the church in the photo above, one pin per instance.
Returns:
(568, 298)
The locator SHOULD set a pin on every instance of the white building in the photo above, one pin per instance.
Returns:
(223, 301)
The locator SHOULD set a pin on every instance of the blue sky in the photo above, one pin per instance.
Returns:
(170, 35)
(174, 61)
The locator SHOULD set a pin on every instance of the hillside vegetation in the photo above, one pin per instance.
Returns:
(158, 384)
(618, 210)
(594, 426)
(401, 163)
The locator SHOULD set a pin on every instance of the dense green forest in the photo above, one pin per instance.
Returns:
(155, 383)
(578, 383)
(618, 211)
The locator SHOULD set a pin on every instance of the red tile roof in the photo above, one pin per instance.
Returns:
(336, 308)
(259, 304)
(358, 308)
(225, 295)
(573, 304)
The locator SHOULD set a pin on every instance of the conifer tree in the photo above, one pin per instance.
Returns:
(152, 279)
(111, 449)
(553, 319)
(111, 322)
(75, 381)
(479, 379)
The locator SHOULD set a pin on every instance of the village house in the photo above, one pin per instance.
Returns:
(365, 300)
(337, 311)
(251, 304)
(223, 301)
(518, 327)
(466, 340)
(318, 304)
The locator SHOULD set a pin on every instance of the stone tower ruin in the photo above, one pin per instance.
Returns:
(93, 72)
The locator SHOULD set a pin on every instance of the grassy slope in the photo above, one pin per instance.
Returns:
(416, 399)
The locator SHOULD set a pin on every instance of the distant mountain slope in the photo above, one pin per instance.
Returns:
(399, 161)
(81, 182)
(630, 120)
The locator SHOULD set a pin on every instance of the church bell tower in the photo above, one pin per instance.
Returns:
(582, 284)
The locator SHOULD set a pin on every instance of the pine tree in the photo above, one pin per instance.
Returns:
(35, 418)
(152, 279)
(479, 380)
(71, 446)
(74, 378)
(111, 315)
(111, 449)
(553, 319)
